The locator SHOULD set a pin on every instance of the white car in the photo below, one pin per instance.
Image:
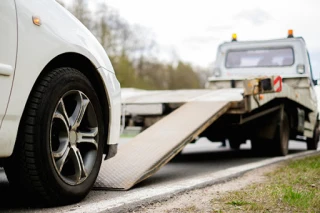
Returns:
(59, 105)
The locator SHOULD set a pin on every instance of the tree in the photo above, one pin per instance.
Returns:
(130, 48)
(81, 11)
(183, 77)
(125, 71)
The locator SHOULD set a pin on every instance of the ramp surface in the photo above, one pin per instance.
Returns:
(181, 96)
(153, 148)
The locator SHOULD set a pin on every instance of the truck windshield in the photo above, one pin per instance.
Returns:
(260, 58)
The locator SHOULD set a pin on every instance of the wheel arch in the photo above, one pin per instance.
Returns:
(85, 66)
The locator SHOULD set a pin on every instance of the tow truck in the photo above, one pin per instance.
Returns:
(262, 91)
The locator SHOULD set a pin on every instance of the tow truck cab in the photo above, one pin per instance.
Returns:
(288, 58)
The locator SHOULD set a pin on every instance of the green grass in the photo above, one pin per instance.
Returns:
(301, 199)
(238, 203)
(295, 187)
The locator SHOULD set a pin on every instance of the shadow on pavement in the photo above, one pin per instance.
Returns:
(9, 197)
(12, 200)
(222, 155)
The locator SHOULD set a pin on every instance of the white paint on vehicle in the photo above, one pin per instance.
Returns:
(24, 57)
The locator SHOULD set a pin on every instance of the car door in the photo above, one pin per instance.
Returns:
(8, 49)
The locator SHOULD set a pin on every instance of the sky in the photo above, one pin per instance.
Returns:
(192, 29)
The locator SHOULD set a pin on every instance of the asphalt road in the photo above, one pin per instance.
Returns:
(196, 159)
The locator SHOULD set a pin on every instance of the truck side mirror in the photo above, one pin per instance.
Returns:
(315, 75)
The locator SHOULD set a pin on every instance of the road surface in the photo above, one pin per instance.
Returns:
(196, 159)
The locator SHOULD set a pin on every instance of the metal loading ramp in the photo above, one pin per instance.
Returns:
(153, 148)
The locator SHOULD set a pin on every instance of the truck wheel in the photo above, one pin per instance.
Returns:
(276, 147)
(60, 142)
(312, 143)
(235, 143)
(281, 140)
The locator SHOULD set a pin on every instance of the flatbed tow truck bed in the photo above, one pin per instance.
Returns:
(198, 109)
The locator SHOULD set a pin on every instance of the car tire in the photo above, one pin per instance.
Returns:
(59, 147)
(312, 143)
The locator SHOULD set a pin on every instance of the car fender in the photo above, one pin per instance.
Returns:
(59, 32)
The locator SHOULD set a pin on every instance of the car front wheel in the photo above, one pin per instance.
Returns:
(60, 141)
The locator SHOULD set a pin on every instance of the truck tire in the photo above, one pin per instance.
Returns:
(281, 140)
(312, 143)
(276, 147)
(60, 141)
(235, 143)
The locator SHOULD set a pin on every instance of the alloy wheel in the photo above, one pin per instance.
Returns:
(73, 137)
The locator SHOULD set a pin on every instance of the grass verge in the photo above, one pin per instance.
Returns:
(295, 187)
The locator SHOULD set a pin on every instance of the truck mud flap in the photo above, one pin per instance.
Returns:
(153, 148)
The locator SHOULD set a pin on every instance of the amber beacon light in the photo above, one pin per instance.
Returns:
(290, 33)
(234, 37)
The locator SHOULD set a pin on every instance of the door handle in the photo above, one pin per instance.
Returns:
(6, 69)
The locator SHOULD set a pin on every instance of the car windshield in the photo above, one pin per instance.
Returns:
(260, 58)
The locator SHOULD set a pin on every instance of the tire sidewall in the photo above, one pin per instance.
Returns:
(282, 137)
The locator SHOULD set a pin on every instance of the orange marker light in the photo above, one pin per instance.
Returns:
(36, 20)
(290, 33)
(261, 97)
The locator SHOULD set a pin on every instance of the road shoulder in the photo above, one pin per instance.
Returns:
(200, 199)
(290, 186)
(134, 200)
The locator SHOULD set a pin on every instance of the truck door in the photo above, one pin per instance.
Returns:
(313, 77)
(8, 49)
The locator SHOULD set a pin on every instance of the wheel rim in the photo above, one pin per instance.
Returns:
(73, 137)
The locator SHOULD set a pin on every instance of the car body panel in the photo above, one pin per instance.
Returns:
(8, 49)
(58, 33)
(114, 92)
